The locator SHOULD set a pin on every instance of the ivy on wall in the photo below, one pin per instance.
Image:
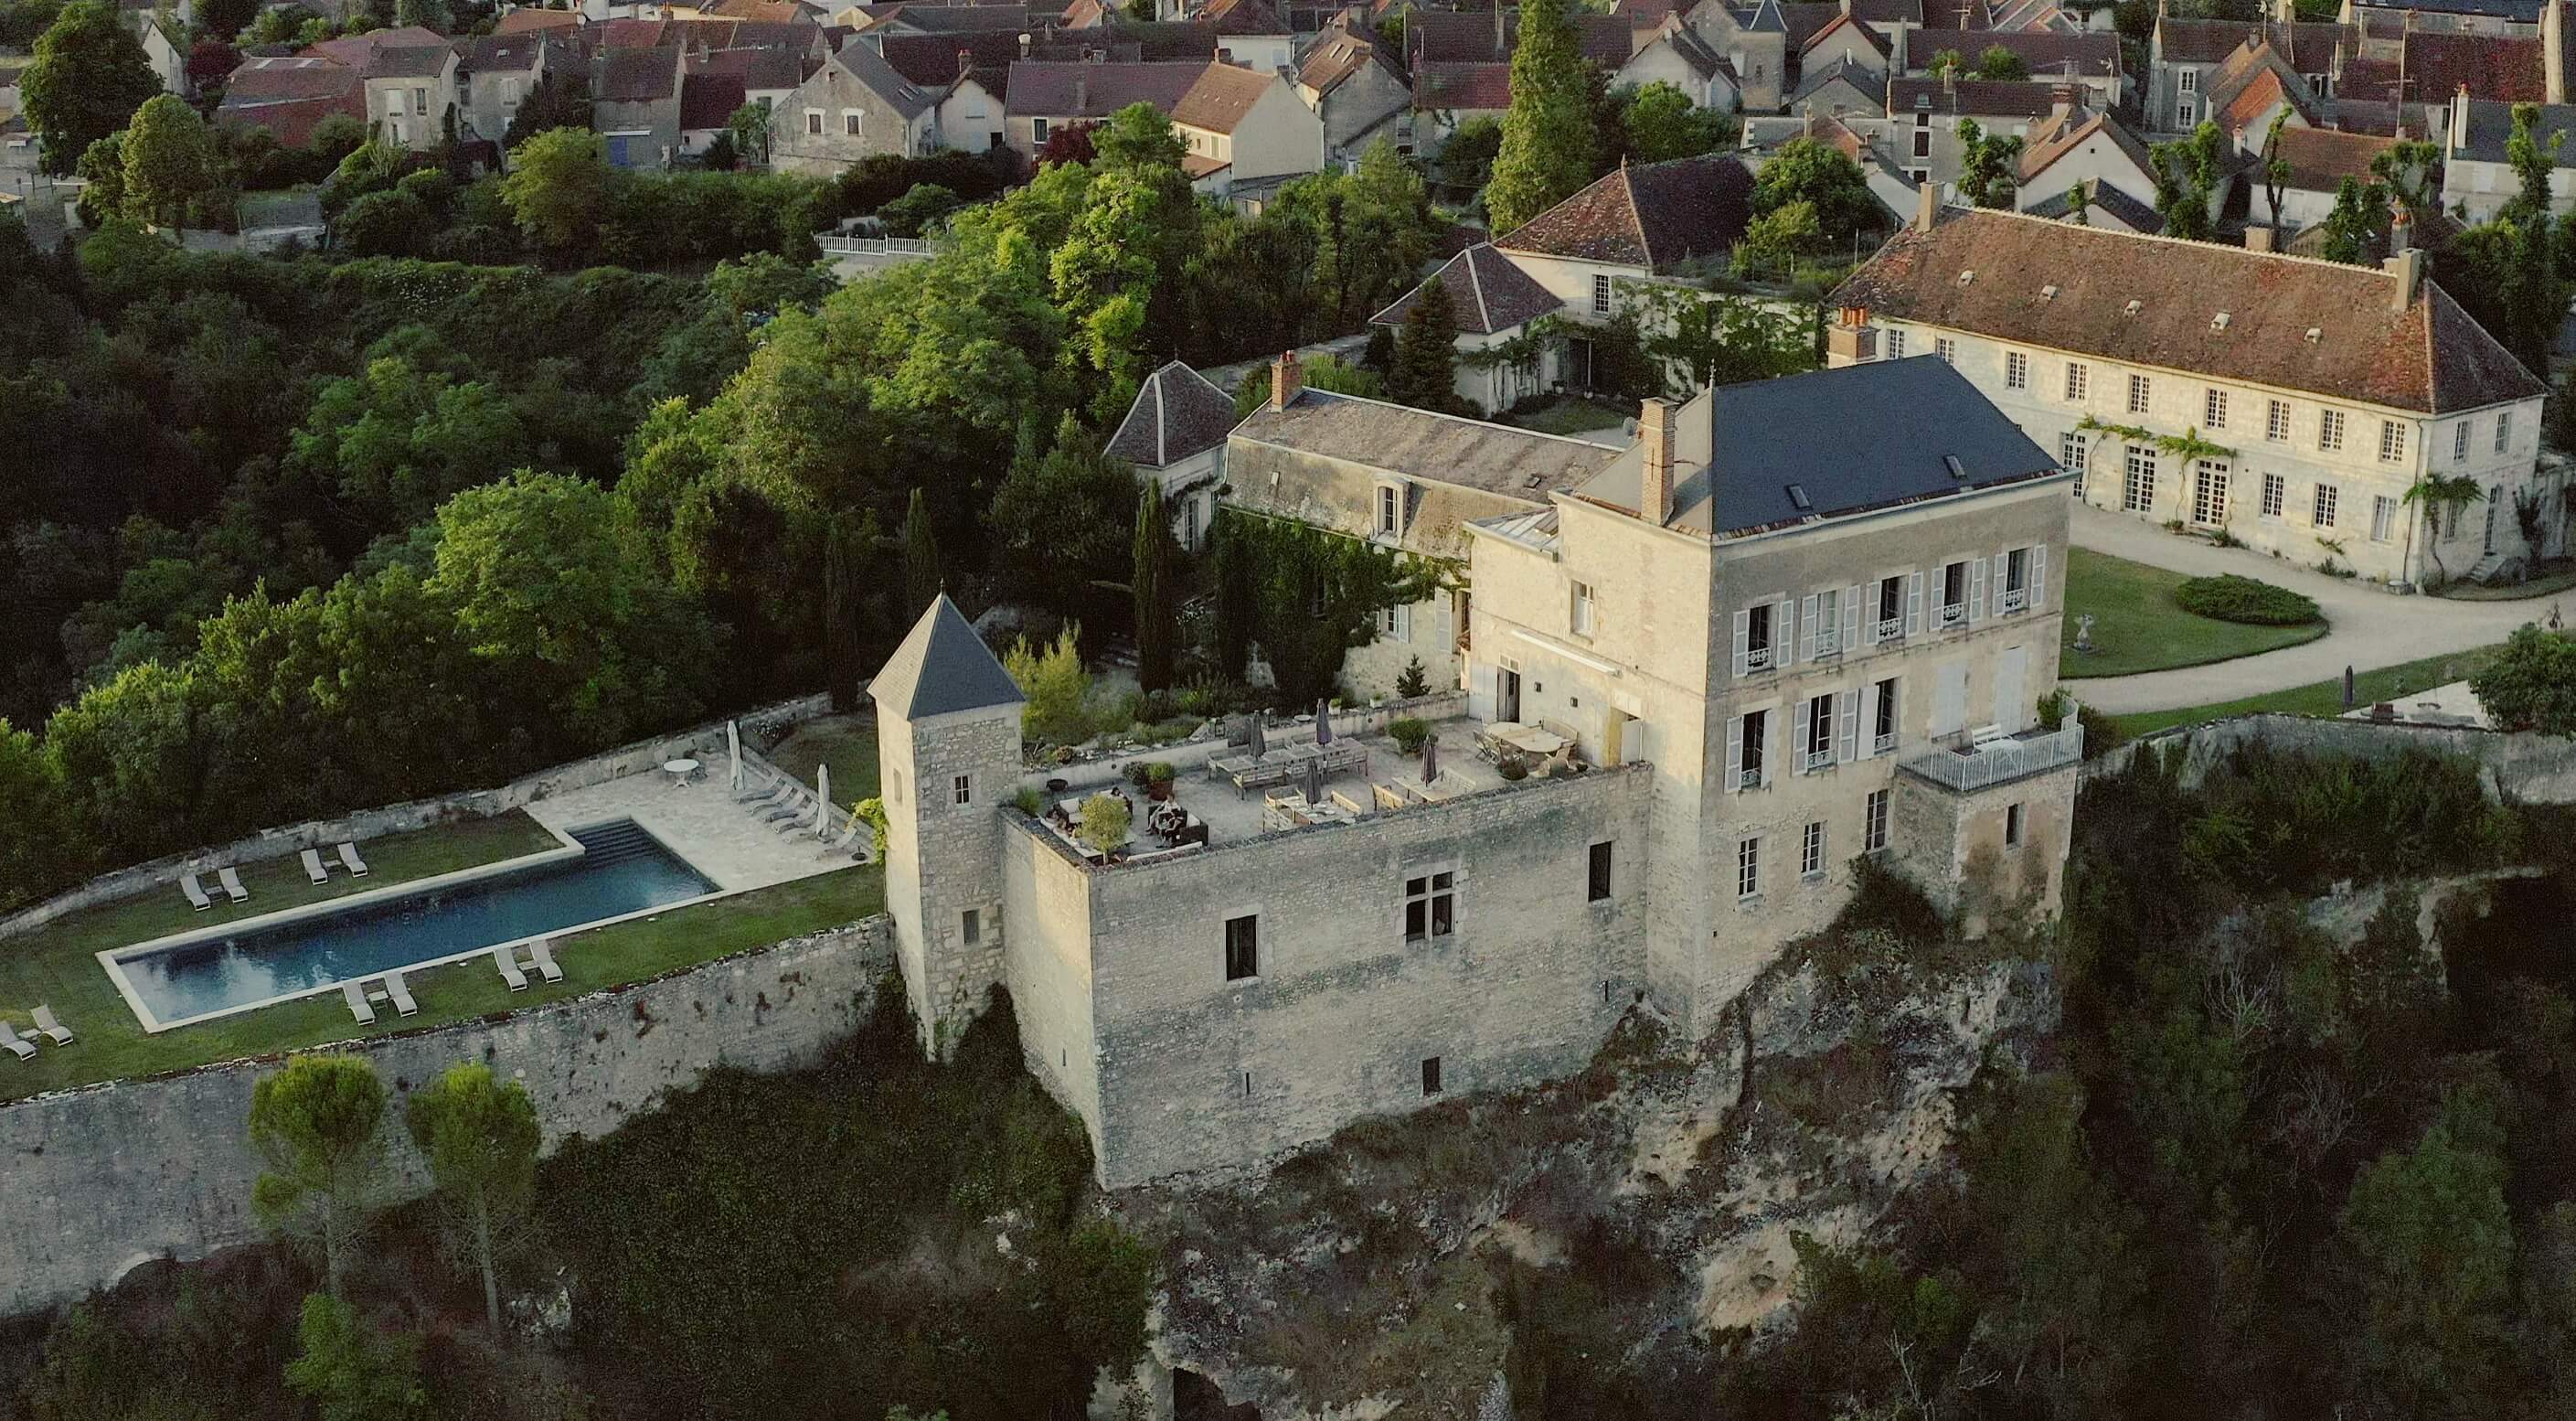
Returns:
(2186, 445)
(1306, 597)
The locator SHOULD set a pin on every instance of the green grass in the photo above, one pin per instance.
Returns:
(2324, 698)
(845, 742)
(56, 964)
(2138, 627)
(2548, 584)
(1572, 417)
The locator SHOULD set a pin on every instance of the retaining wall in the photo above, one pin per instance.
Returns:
(96, 1180)
(2532, 768)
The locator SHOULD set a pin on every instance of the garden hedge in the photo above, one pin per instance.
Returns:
(2230, 598)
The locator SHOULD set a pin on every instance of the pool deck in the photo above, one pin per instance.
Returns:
(700, 822)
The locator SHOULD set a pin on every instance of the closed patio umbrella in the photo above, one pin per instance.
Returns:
(822, 798)
(1323, 722)
(1430, 759)
(1314, 781)
(1257, 743)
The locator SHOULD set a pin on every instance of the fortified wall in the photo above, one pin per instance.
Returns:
(2535, 769)
(105, 1177)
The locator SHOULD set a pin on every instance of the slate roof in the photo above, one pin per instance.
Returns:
(1851, 74)
(1889, 12)
(2527, 11)
(355, 50)
(1487, 293)
(762, 68)
(1650, 215)
(2049, 55)
(485, 54)
(419, 61)
(1076, 89)
(1243, 17)
(1445, 37)
(2309, 46)
(1695, 52)
(2491, 126)
(708, 100)
(2492, 66)
(1976, 98)
(278, 80)
(1462, 86)
(1801, 19)
(2429, 358)
(1177, 414)
(636, 76)
(2132, 214)
(934, 59)
(2320, 158)
(778, 12)
(1220, 98)
(1743, 455)
(942, 666)
(891, 88)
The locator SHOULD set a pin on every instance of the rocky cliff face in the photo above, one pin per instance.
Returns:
(1622, 1227)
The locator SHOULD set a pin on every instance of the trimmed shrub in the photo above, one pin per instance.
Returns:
(2230, 598)
(1408, 732)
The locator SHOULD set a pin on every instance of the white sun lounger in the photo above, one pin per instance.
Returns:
(401, 994)
(543, 953)
(510, 972)
(45, 1022)
(10, 1043)
(357, 999)
(232, 884)
(349, 860)
(313, 868)
(196, 891)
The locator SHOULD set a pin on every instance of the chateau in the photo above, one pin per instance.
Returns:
(1702, 676)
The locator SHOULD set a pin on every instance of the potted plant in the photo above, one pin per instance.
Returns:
(1104, 824)
(1158, 780)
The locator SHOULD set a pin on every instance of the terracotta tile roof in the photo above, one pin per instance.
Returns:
(1487, 293)
(2526, 11)
(1244, 17)
(936, 59)
(708, 100)
(1466, 87)
(2368, 80)
(1334, 60)
(1052, 89)
(2429, 358)
(1199, 165)
(2071, 133)
(2320, 158)
(2489, 66)
(356, 50)
(1177, 414)
(1645, 14)
(1844, 30)
(1083, 14)
(1973, 98)
(777, 12)
(290, 121)
(527, 18)
(422, 61)
(2260, 96)
(1651, 215)
(278, 80)
(1221, 98)
(635, 76)
(629, 34)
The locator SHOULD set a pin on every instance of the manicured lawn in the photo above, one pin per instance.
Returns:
(2137, 626)
(56, 965)
(1572, 417)
(2324, 698)
(847, 743)
(2548, 584)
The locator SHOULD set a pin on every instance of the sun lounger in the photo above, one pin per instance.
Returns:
(313, 868)
(10, 1043)
(401, 994)
(543, 953)
(45, 1022)
(510, 972)
(196, 891)
(232, 884)
(752, 792)
(357, 999)
(349, 860)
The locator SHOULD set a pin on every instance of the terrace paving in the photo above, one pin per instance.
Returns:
(702, 822)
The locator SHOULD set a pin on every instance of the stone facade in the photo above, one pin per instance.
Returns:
(943, 775)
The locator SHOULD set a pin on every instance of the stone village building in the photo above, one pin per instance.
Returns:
(1780, 637)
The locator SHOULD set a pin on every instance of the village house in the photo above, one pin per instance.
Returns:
(2089, 59)
(2315, 161)
(1923, 119)
(856, 106)
(2184, 55)
(288, 95)
(1494, 306)
(2094, 152)
(2287, 401)
(1840, 91)
(1174, 434)
(412, 94)
(2478, 177)
(164, 41)
(2390, 21)
(635, 105)
(1850, 44)
(1358, 90)
(497, 72)
(1045, 97)
(1636, 224)
(1447, 97)
(1676, 55)
(1245, 132)
(1754, 41)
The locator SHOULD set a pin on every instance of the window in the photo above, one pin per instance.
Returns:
(2276, 421)
(849, 123)
(1601, 295)
(1242, 947)
(397, 130)
(971, 925)
(1596, 881)
(965, 789)
(2138, 394)
(1891, 608)
(2213, 408)
(1825, 624)
(2460, 443)
(2076, 378)
(2016, 591)
(2070, 457)
(1757, 636)
(1581, 618)
(2325, 511)
(2383, 517)
(2392, 441)
(2330, 429)
(2016, 370)
(1922, 143)
(1430, 906)
(1873, 835)
(2504, 429)
(509, 92)
(1946, 348)
(420, 101)
(813, 123)
(1882, 731)
(2012, 826)
(2186, 111)
(2138, 491)
(2190, 81)
(1430, 1075)
(1811, 851)
(1896, 345)
(1819, 749)
(1748, 868)
(1748, 748)
(2276, 490)
(2209, 494)
(1390, 506)
(1954, 594)
(1038, 129)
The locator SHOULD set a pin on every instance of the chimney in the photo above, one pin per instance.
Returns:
(1655, 476)
(2460, 119)
(2064, 99)
(1286, 379)
(2401, 228)
(1927, 206)
(2258, 238)
(2408, 267)
(1024, 46)
(1851, 340)
(2553, 57)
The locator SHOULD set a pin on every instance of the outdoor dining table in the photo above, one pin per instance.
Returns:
(1528, 739)
(680, 771)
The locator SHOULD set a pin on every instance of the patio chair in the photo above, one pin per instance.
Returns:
(45, 1022)
(9, 1042)
(542, 952)
(510, 972)
(313, 868)
(401, 993)
(196, 891)
(232, 884)
(349, 860)
(356, 996)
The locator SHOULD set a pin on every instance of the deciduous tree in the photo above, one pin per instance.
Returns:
(2531, 685)
(558, 187)
(88, 77)
(1658, 122)
(353, 1372)
(480, 1137)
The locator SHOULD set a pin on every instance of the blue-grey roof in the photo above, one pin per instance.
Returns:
(942, 666)
(1804, 448)
(2527, 11)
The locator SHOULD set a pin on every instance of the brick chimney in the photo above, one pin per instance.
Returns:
(2258, 238)
(2408, 267)
(1851, 339)
(1655, 466)
(1287, 377)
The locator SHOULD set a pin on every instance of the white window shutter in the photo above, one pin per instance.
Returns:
(1770, 757)
(1798, 727)
(2039, 577)
(1743, 628)
(1807, 628)
(1976, 590)
(1914, 604)
(1734, 752)
(1847, 708)
(1851, 618)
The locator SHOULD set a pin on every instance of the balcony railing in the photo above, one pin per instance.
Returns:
(1827, 644)
(1966, 767)
(1757, 658)
(1883, 744)
(1820, 760)
(1891, 629)
(2015, 599)
(1750, 777)
(1954, 614)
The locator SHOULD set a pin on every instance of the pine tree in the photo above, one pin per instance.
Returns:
(1152, 586)
(1548, 133)
(921, 580)
(1424, 373)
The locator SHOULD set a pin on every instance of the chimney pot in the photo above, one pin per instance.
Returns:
(1655, 446)
(1287, 377)
(2408, 267)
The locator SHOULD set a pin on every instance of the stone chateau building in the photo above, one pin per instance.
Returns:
(1770, 638)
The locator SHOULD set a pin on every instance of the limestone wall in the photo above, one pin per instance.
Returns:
(95, 1180)
(2537, 769)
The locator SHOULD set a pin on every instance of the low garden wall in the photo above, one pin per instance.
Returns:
(2533, 768)
(1190, 754)
(101, 1178)
(287, 840)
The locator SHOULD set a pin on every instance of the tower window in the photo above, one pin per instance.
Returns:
(1597, 880)
(965, 789)
(1242, 947)
(1430, 1075)
(1430, 906)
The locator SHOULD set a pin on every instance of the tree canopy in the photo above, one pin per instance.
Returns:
(1546, 152)
(86, 80)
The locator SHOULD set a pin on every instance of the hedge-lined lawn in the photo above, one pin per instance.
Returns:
(847, 743)
(2137, 626)
(2323, 698)
(56, 965)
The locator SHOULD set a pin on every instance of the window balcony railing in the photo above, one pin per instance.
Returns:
(1954, 614)
(1891, 629)
(1749, 778)
(1883, 744)
(2015, 599)
(1820, 760)
(1965, 766)
(1757, 658)
(1827, 644)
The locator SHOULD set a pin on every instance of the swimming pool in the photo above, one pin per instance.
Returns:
(622, 869)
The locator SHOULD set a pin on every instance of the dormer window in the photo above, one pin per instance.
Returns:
(1390, 511)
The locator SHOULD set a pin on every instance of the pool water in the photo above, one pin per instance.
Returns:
(623, 870)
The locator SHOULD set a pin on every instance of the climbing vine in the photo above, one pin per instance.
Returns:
(1306, 596)
(2187, 445)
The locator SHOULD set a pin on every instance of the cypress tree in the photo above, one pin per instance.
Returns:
(1548, 133)
(1152, 585)
(1425, 369)
(841, 614)
(921, 581)
(1233, 595)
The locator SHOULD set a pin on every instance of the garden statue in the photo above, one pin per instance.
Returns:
(2084, 631)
